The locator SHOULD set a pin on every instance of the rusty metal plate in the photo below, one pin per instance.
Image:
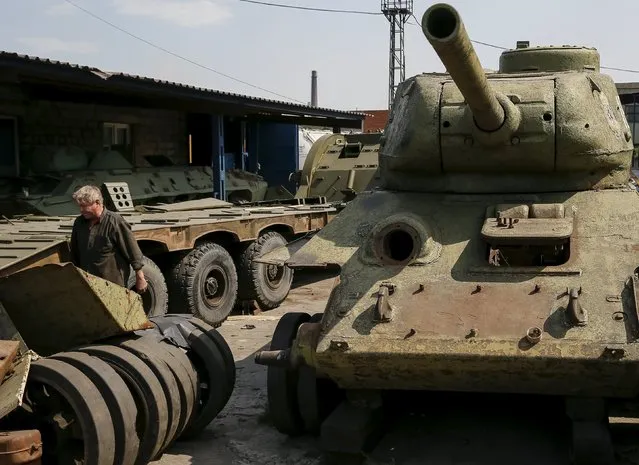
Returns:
(17, 248)
(12, 387)
(527, 229)
(454, 310)
(75, 306)
(8, 352)
(200, 204)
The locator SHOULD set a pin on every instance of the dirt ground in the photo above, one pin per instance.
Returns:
(444, 429)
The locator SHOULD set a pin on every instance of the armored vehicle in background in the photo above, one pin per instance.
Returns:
(499, 254)
(48, 191)
(339, 166)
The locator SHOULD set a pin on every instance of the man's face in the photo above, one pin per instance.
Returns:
(90, 210)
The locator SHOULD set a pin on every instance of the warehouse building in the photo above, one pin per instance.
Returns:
(49, 107)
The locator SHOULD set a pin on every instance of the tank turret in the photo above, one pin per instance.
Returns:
(498, 255)
(546, 121)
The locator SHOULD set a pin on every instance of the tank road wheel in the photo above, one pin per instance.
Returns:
(268, 285)
(282, 382)
(316, 397)
(156, 298)
(151, 357)
(72, 416)
(210, 366)
(118, 398)
(222, 346)
(207, 283)
(147, 391)
(210, 363)
(591, 444)
(182, 370)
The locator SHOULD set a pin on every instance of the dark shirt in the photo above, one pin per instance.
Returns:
(105, 249)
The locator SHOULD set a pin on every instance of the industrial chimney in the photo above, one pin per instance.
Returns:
(314, 89)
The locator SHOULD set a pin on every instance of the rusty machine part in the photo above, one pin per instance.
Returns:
(101, 383)
(498, 255)
(339, 166)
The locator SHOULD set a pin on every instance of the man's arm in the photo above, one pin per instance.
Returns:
(73, 245)
(127, 243)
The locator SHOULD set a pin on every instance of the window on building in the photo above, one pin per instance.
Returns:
(117, 137)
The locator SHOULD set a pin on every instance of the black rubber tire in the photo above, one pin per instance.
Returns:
(88, 406)
(189, 280)
(183, 371)
(156, 298)
(210, 366)
(222, 345)
(213, 394)
(144, 351)
(281, 383)
(254, 283)
(211, 355)
(147, 392)
(118, 398)
(177, 303)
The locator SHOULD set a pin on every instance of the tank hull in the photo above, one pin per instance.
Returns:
(456, 321)
(567, 368)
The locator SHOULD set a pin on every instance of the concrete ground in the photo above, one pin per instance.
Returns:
(444, 429)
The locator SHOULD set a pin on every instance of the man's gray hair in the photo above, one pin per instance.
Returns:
(88, 194)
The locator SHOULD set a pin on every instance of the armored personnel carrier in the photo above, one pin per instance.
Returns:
(499, 254)
(339, 166)
(48, 190)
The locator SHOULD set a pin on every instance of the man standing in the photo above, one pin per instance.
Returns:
(102, 243)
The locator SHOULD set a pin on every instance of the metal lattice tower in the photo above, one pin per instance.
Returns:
(397, 12)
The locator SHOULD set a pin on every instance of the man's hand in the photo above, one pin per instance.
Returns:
(140, 281)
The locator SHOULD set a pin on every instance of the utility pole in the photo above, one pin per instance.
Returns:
(397, 12)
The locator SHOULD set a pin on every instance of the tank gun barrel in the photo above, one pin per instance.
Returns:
(445, 31)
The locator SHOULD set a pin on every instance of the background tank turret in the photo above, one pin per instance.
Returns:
(339, 166)
(499, 254)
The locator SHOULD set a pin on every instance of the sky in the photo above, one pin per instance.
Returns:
(276, 49)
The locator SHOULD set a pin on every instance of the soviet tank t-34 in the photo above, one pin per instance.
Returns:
(499, 255)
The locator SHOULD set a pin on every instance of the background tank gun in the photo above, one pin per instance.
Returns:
(492, 258)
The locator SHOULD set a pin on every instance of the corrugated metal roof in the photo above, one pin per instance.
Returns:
(7, 58)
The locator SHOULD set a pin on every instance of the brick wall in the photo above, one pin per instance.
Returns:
(45, 128)
(376, 121)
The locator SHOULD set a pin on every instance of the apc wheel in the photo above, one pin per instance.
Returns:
(61, 399)
(147, 392)
(118, 398)
(156, 298)
(206, 283)
(281, 382)
(268, 285)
